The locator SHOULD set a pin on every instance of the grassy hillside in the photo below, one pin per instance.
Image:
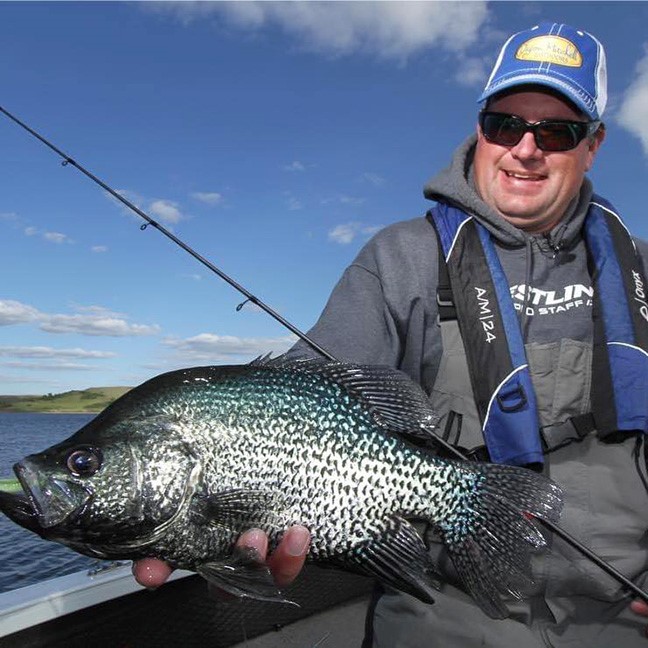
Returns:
(88, 400)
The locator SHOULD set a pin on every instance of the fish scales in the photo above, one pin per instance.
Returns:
(180, 466)
(330, 464)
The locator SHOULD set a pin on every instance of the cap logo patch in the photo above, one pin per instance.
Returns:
(550, 49)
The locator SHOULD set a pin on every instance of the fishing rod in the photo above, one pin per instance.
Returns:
(163, 230)
(439, 441)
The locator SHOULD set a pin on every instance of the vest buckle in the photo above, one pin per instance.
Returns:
(512, 399)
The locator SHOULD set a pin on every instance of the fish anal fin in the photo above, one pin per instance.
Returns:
(243, 575)
(398, 558)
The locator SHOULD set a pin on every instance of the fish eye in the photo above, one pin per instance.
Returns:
(83, 462)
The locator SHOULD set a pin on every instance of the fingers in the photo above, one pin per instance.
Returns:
(151, 572)
(288, 559)
(639, 607)
(254, 539)
(285, 563)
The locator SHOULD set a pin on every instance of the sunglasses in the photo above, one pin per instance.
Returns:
(549, 134)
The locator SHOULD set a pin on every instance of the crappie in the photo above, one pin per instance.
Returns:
(178, 467)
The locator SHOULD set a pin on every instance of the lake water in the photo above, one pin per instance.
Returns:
(25, 557)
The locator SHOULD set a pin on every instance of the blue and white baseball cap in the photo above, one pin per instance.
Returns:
(568, 60)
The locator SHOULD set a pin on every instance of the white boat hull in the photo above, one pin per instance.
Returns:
(110, 610)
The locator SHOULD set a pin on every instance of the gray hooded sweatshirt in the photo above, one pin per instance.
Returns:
(384, 311)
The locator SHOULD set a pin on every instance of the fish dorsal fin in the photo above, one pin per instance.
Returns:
(261, 360)
(393, 399)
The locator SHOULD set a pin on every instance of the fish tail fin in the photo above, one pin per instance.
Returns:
(489, 534)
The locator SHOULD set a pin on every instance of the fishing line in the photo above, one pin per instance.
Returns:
(551, 526)
(321, 641)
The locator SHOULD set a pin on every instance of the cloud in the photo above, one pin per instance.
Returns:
(90, 320)
(13, 312)
(52, 237)
(208, 197)
(296, 165)
(55, 237)
(390, 30)
(347, 232)
(166, 210)
(93, 309)
(343, 234)
(344, 200)
(209, 347)
(472, 71)
(14, 379)
(55, 366)
(351, 200)
(292, 202)
(374, 179)
(50, 352)
(131, 196)
(99, 248)
(96, 325)
(633, 112)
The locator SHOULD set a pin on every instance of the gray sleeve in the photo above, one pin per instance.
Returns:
(356, 325)
(383, 310)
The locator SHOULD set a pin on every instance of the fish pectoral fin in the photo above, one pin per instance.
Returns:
(399, 558)
(244, 575)
(235, 507)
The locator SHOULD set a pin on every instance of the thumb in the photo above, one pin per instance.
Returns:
(288, 558)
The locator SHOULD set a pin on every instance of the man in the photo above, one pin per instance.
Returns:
(517, 230)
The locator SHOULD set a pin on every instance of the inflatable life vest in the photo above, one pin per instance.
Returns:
(474, 290)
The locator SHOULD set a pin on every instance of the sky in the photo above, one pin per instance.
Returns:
(273, 138)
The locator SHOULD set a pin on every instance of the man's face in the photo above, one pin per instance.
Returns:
(529, 187)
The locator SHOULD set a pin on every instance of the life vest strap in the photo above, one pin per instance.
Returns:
(573, 429)
(444, 296)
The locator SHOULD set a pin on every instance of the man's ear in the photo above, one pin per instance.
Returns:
(593, 145)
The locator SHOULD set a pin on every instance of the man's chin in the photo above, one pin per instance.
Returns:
(530, 222)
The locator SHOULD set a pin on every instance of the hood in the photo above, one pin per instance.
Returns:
(454, 185)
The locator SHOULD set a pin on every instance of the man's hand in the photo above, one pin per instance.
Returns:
(285, 563)
(640, 607)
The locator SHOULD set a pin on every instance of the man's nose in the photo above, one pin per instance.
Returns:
(526, 148)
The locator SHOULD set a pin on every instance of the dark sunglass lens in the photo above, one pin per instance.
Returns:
(505, 130)
(508, 130)
(556, 136)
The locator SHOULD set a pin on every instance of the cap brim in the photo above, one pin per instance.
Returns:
(580, 102)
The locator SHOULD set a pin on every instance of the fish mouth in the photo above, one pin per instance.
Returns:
(17, 506)
(46, 500)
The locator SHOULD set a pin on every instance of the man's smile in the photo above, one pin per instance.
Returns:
(520, 175)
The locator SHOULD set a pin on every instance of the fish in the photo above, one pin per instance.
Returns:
(178, 467)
